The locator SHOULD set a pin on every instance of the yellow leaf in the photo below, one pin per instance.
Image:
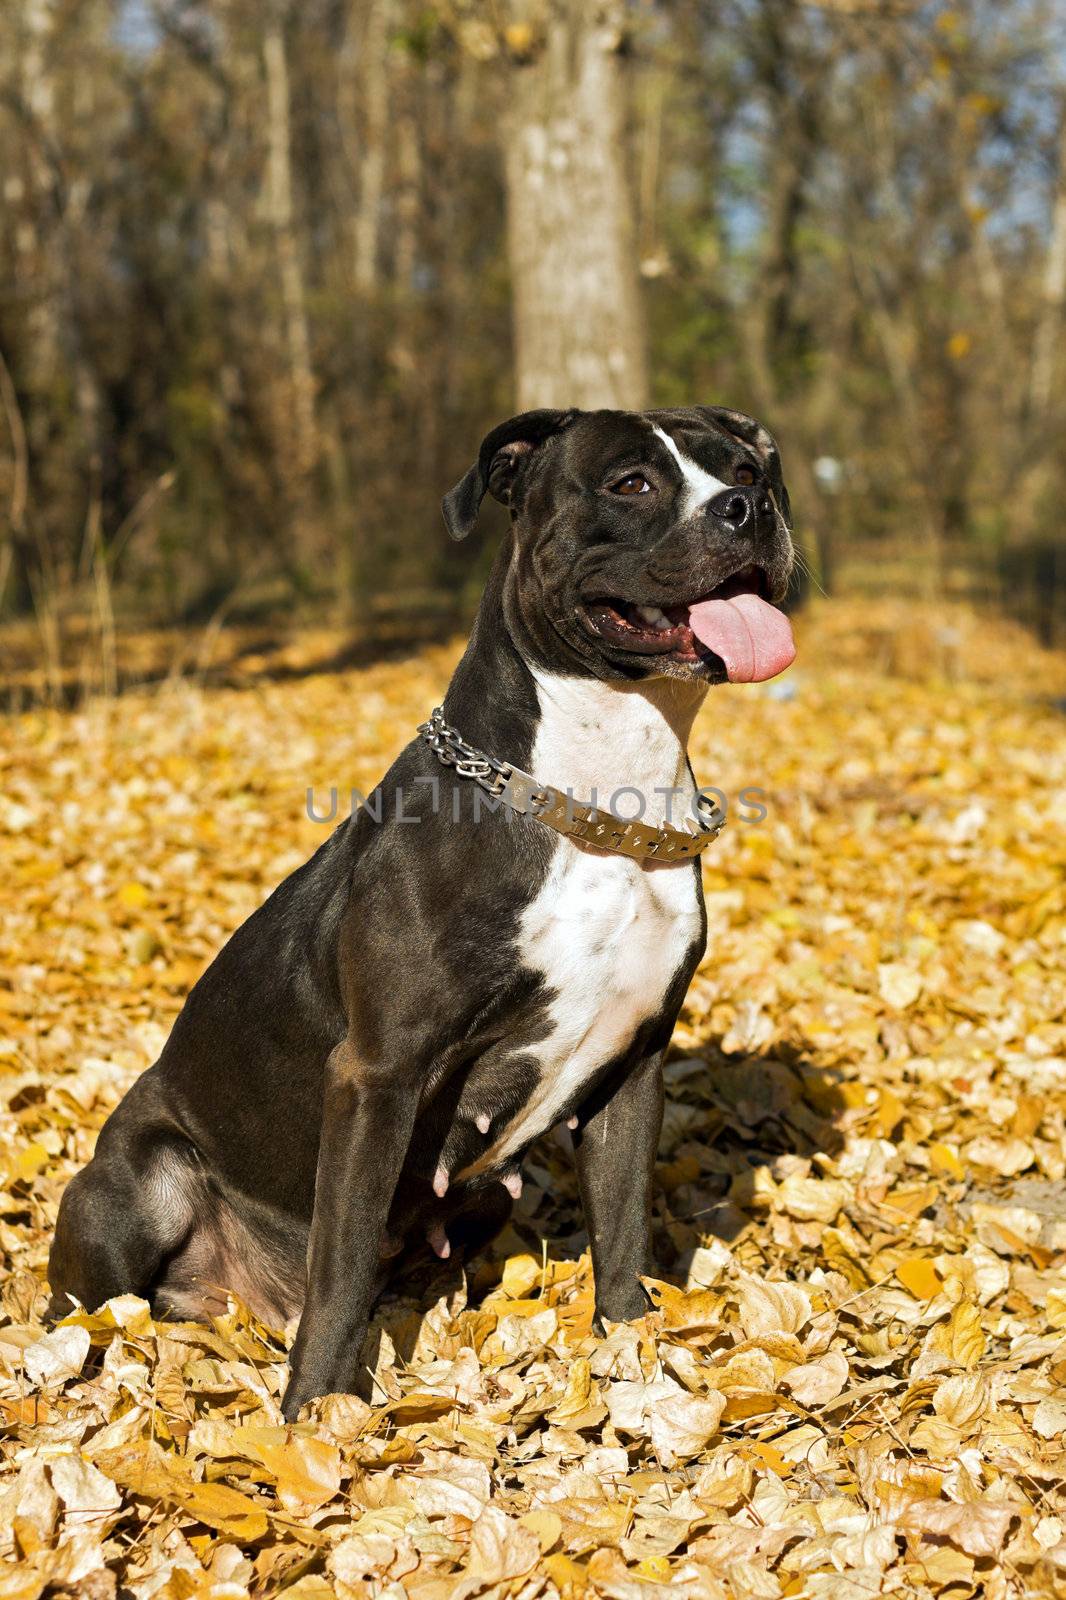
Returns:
(568, 1575)
(682, 1308)
(220, 1507)
(1049, 1418)
(126, 1311)
(944, 1158)
(962, 1400)
(735, 1486)
(889, 1114)
(745, 1369)
(962, 1337)
(829, 1098)
(842, 1252)
(939, 1438)
(134, 896)
(672, 1174)
(58, 1357)
(1008, 1157)
(524, 1308)
(978, 1527)
(546, 1525)
(36, 1512)
(817, 1382)
(913, 1199)
(308, 1471)
(150, 1474)
(142, 946)
(500, 1551)
(767, 1455)
(742, 1406)
(30, 1160)
(920, 1278)
(656, 1568)
(18, 1582)
(416, 1407)
(580, 1395)
(520, 1274)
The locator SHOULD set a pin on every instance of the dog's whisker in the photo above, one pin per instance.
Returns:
(801, 563)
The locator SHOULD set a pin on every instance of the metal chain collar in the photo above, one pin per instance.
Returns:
(561, 812)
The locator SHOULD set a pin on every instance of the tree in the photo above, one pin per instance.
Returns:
(578, 325)
(267, 270)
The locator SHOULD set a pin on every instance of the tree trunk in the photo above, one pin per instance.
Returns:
(34, 261)
(1049, 328)
(364, 113)
(578, 330)
(279, 209)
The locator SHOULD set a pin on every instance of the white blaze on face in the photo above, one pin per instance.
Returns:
(699, 486)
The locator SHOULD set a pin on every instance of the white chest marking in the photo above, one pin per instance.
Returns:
(607, 933)
(700, 486)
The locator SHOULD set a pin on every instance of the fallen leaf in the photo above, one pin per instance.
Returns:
(816, 1382)
(58, 1357)
(767, 1307)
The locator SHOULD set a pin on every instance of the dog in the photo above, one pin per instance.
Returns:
(490, 951)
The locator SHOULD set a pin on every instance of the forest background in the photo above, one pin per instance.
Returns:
(268, 270)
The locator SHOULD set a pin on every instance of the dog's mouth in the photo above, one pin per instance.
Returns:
(733, 628)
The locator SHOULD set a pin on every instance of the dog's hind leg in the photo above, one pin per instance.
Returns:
(120, 1217)
(106, 1240)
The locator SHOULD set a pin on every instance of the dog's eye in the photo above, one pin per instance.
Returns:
(745, 475)
(635, 483)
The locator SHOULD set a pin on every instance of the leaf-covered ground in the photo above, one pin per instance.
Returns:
(854, 1378)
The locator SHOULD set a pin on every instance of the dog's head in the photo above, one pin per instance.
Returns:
(646, 543)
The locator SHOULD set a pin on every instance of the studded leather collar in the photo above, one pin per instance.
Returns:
(558, 810)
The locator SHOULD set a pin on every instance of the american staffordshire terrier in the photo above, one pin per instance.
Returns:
(504, 943)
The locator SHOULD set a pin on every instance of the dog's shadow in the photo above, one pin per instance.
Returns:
(727, 1116)
(400, 1311)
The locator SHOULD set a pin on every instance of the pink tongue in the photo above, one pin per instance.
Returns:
(752, 637)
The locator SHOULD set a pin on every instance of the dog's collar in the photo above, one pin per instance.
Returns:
(560, 811)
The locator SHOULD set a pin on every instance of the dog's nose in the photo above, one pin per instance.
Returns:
(744, 509)
(733, 506)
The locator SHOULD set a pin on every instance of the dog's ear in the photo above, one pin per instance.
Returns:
(502, 453)
(752, 433)
(747, 430)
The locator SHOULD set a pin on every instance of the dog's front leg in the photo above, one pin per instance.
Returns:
(616, 1141)
(367, 1121)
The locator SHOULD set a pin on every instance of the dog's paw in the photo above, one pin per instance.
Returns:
(622, 1305)
(302, 1390)
(296, 1397)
